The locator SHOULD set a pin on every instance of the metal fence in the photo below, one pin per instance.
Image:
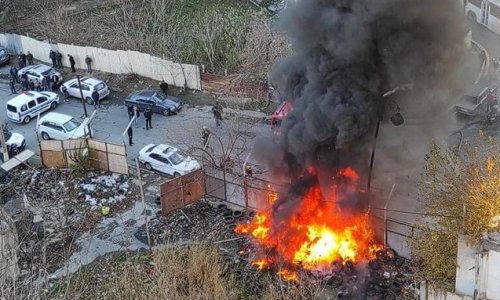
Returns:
(182, 191)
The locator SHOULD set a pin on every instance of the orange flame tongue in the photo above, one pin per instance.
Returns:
(314, 235)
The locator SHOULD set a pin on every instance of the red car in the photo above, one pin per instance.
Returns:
(280, 113)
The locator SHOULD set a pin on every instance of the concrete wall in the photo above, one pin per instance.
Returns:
(110, 61)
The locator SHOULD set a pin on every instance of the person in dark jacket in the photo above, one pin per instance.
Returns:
(164, 87)
(52, 56)
(23, 58)
(59, 57)
(88, 62)
(13, 73)
(95, 98)
(20, 63)
(12, 86)
(217, 110)
(148, 114)
(29, 57)
(130, 134)
(130, 111)
(72, 63)
(31, 85)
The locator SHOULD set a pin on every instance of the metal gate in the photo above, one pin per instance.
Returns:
(182, 191)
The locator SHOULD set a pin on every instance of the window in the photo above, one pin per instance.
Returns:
(476, 3)
(150, 148)
(71, 124)
(11, 108)
(99, 86)
(163, 160)
(24, 107)
(74, 86)
(495, 10)
(41, 100)
(31, 104)
(85, 87)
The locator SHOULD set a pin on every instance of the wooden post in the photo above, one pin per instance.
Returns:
(143, 202)
(4, 145)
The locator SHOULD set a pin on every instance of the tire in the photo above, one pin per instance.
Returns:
(26, 119)
(148, 166)
(45, 136)
(89, 101)
(53, 105)
(166, 112)
(177, 175)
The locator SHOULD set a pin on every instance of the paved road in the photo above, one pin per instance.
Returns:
(182, 131)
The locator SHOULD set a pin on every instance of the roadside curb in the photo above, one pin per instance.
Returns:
(485, 61)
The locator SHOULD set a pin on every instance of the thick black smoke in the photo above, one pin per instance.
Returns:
(347, 54)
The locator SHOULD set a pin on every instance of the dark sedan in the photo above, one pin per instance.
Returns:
(160, 104)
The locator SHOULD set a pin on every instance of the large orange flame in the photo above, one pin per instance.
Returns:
(314, 235)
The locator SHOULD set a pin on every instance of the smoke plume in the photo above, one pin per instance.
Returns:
(348, 53)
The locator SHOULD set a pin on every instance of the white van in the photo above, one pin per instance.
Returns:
(26, 106)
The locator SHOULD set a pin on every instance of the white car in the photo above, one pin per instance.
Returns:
(89, 85)
(167, 159)
(58, 126)
(38, 72)
(29, 104)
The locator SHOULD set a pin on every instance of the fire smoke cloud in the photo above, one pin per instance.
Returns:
(350, 52)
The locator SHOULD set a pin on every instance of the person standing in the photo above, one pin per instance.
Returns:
(38, 88)
(52, 56)
(25, 84)
(148, 114)
(20, 63)
(217, 110)
(95, 98)
(23, 58)
(29, 57)
(130, 110)
(72, 63)
(13, 74)
(65, 93)
(59, 59)
(136, 114)
(130, 134)
(164, 87)
(88, 62)
(44, 83)
(12, 86)
(31, 85)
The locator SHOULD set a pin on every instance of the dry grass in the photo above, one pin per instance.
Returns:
(179, 273)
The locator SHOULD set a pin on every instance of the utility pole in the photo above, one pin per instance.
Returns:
(4, 144)
(83, 103)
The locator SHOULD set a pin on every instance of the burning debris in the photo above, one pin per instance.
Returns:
(349, 54)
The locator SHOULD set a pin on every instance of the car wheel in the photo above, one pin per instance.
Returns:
(148, 166)
(27, 119)
(166, 112)
(177, 175)
(53, 105)
(45, 136)
(89, 101)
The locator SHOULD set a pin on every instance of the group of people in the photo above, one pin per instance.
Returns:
(133, 111)
(48, 83)
(24, 60)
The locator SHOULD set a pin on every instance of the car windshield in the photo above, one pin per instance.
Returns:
(7, 134)
(159, 97)
(176, 158)
(71, 125)
(99, 87)
(47, 72)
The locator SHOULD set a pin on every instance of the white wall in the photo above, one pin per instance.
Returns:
(493, 276)
(110, 61)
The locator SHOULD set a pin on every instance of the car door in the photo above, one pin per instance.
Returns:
(154, 108)
(155, 162)
(141, 103)
(74, 90)
(59, 132)
(167, 166)
(32, 107)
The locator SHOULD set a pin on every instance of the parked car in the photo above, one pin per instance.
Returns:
(166, 105)
(22, 108)
(14, 141)
(58, 126)
(89, 85)
(4, 56)
(475, 101)
(37, 72)
(167, 159)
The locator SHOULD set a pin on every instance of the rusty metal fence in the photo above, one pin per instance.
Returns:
(182, 191)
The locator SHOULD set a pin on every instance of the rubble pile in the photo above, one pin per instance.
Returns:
(104, 189)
